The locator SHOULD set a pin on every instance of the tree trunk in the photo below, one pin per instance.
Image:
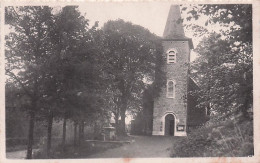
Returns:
(122, 123)
(81, 132)
(145, 125)
(50, 121)
(30, 135)
(64, 132)
(122, 114)
(116, 123)
(75, 133)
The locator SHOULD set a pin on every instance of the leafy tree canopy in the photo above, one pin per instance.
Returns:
(130, 53)
(224, 66)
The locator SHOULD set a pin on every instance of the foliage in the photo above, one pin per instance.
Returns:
(58, 67)
(224, 68)
(224, 75)
(226, 139)
(50, 60)
(143, 120)
(28, 49)
(130, 53)
(237, 17)
(74, 64)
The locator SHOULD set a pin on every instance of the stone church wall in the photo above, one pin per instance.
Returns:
(177, 106)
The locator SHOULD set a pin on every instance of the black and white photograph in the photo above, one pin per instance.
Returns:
(102, 80)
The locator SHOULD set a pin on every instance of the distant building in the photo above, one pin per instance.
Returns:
(175, 110)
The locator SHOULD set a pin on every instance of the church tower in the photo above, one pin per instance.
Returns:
(170, 108)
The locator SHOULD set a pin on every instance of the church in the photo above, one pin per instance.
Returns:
(175, 111)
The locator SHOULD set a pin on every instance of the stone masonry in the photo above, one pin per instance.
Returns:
(174, 38)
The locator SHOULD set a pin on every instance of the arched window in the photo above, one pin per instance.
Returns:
(170, 89)
(171, 56)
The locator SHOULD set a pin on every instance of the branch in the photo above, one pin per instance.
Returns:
(17, 15)
(15, 12)
(19, 81)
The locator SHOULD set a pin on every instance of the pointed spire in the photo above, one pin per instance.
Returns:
(174, 28)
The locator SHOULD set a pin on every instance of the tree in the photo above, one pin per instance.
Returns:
(55, 61)
(68, 38)
(130, 53)
(237, 17)
(15, 115)
(27, 52)
(224, 66)
(75, 68)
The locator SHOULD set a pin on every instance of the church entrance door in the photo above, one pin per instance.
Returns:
(169, 125)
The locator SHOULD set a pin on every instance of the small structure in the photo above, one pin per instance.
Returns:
(109, 133)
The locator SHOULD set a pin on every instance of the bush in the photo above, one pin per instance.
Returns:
(226, 139)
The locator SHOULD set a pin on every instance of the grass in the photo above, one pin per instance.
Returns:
(16, 148)
(226, 139)
(83, 151)
(18, 144)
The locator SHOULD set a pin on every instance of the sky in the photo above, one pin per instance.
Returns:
(151, 15)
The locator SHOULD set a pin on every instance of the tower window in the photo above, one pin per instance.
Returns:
(170, 89)
(171, 56)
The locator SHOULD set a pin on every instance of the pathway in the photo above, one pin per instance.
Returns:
(141, 147)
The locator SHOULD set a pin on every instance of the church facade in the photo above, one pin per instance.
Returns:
(175, 110)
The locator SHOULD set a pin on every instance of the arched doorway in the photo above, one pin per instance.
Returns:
(169, 125)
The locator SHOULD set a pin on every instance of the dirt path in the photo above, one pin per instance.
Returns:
(142, 146)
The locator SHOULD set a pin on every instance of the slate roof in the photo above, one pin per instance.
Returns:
(174, 29)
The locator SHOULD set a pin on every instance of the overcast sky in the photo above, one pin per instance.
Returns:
(151, 15)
